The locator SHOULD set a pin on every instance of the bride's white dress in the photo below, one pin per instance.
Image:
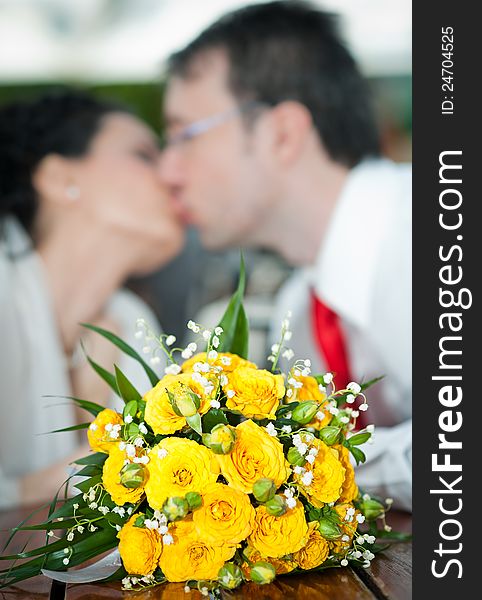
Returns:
(33, 364)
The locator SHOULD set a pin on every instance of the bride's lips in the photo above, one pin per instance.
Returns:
(180, 208)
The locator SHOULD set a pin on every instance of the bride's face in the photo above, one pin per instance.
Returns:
(120, 191)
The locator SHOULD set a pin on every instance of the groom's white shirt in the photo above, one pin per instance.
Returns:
(363, 272)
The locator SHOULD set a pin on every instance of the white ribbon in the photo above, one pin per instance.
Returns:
(102, 569)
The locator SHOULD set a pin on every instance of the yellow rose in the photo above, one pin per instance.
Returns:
(282, 565)
(227, 361)
(190, 557)
(111, 478)
(159, 412)
(255, 454)
(257, 392)
(99, 438)
(177, 466)
(311, 391)
(328, 475)
(349, 489)
(322, 418)
(139, 548)
(348, 525)
(315, 551)
(226, 515)
(278, 536)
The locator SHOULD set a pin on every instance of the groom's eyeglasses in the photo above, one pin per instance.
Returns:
(197, 128)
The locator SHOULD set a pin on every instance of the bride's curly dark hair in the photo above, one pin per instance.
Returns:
(61, 121)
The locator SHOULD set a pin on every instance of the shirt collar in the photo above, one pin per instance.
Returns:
(345, 268)
(14, 240)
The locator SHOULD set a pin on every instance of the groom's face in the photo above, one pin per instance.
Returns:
(217, 178)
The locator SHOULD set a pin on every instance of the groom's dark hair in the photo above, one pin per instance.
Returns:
(290, 50)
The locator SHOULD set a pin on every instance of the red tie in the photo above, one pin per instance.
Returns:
(332, 347)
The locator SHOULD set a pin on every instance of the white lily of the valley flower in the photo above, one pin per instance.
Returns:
(193, 326)
(290, 502)
(354, 387)
(288, 354)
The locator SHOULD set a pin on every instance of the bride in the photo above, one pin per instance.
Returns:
(81, 210)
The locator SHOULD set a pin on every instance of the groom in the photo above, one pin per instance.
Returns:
(272, 143)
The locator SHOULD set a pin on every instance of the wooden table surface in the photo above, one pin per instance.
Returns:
(388, 578)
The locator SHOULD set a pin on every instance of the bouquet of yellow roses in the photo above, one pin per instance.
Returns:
(222, 473)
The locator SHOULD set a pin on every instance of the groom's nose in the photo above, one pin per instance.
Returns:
(169, 168)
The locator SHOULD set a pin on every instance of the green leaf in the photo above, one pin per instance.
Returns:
(89, 471)
(72, 428)
(14, 531)
(235, 322)
(50, 525)
(104, 374)
(359, 438)
(358, 455)
(21, 572)
(67, 508)
(52, 506)
(398, 536)
(132, 429)
(58, 545)
(371, 382)
(130, 409)
(153, 378)
(141, 409)
(194, 422)
(240, 344)
(286, 408)
(88, 546)
(213, 417)
(55, 499)
(127, 391)
(314, 514)
(139, 522)
(84, 486)
(91, 407)
(96, 458)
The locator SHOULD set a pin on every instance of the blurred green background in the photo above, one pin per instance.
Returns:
(392, 96)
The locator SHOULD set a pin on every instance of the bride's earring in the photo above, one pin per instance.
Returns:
(72, 192)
